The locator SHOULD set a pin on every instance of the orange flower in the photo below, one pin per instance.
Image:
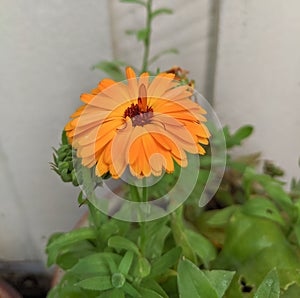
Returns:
(144, 124)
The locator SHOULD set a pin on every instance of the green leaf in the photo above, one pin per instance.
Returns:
(69, 256)
(120, 243)
(220, 280)
(156, 232)
(55, 245)
(112, 68)
(236, 139)
(134, 1)
(129, 289)
(269, 288)
(276, 192)
(221, 217)
(97, 263)
(115, 293)
(142, 268)
(147, 293)
(180, 236)
(64, 138)
(192, 282)
(126, 262)
(81, 199)
(161, 11)
(151, 284)
(262, 207)
(202, 247)
(98, 283)
(164, 52)
(165, 262)
(142, 34)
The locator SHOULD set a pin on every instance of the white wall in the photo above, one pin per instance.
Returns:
(258, 76)
(47, 48)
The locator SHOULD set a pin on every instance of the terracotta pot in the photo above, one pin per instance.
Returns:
(6, 291)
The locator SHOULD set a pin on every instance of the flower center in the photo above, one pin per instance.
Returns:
(140, 113)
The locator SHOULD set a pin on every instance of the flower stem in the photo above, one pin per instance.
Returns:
(148, 36)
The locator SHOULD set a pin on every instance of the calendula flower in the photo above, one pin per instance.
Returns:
(143, 123)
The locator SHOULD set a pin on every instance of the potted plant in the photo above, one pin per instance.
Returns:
(172, 225)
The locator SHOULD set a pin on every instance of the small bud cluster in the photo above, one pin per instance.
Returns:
(63, 162)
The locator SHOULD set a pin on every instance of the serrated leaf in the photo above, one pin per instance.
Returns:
(269, 288)
(202, 247)
(120, 243)
(98, 283)
(126, 262)
(262, 207)
(220, 280)
(134, 1)
(161, 11)
(165, 262)
(192, 282)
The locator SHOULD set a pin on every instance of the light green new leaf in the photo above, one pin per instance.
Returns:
(192, 282)
(220, 280)
(119, 243)
(98, 283)
(269, 288)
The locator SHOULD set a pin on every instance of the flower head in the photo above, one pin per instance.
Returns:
(144, 124)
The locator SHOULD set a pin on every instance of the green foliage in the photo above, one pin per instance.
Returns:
(193, 282)
(112, 69)
(251, 226)
(269, 288)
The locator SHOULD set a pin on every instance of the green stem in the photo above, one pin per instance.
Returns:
(148, 36)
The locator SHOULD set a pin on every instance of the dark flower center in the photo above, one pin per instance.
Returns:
(138, 117)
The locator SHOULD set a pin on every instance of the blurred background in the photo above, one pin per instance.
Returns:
(244, 56)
